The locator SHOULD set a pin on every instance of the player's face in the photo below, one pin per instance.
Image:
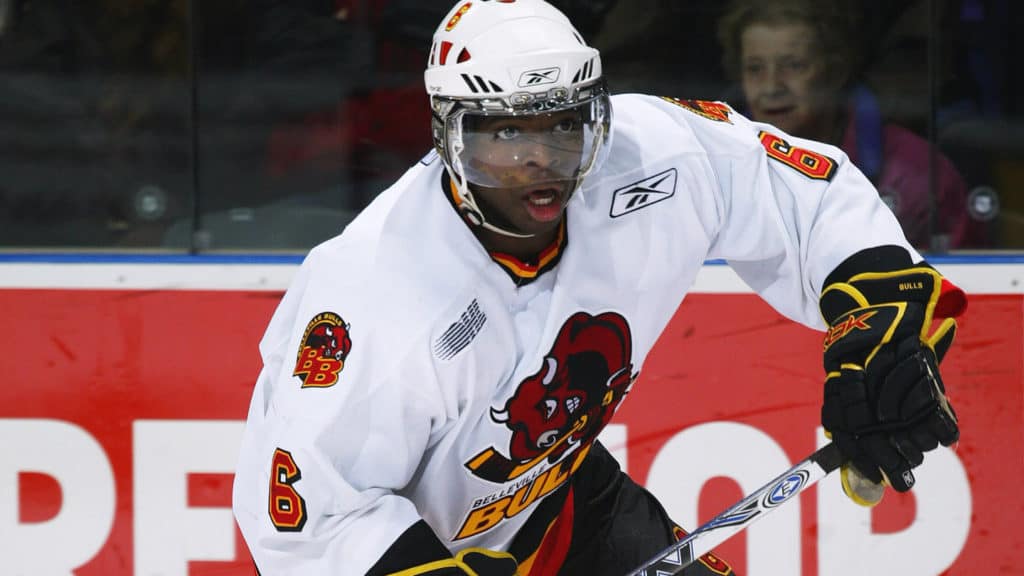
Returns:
(527, 163)
(785, 80)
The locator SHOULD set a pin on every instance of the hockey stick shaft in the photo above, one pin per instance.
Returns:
(784, 487)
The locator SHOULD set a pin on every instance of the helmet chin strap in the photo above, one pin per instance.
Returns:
(471, 210)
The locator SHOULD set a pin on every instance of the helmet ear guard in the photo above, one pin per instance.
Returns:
(512, 58)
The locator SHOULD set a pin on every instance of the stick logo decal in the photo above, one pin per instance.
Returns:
(786, 489)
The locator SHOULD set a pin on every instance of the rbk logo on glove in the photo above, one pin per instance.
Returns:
(852, 322)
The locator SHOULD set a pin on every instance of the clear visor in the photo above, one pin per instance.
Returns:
(500, 150)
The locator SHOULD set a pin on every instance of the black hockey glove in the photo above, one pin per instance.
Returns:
(469, 562)
(884, 402)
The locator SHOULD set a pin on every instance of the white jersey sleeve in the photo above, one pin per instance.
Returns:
(789, 210)
(317, 486)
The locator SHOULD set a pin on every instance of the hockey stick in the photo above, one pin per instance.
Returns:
(681, 554)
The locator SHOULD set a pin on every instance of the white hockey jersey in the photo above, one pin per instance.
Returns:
(409, 374)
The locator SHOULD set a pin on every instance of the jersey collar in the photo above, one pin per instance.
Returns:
(520, 271)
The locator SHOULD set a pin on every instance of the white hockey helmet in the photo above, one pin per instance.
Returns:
(501, 58)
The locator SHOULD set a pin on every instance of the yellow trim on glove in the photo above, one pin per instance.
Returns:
(849, 290)
(945, 326)
(933, 300)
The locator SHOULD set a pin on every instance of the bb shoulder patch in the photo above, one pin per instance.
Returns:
(325, 344)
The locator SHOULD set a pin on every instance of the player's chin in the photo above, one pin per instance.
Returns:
(540, 227)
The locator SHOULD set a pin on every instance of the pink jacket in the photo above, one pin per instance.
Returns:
(902, 181)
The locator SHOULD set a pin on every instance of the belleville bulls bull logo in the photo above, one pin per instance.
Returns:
(325, 345)
(567, 401)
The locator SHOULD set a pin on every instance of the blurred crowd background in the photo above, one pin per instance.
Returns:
(181, 126)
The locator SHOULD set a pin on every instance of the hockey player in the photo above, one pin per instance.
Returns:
(436, 376)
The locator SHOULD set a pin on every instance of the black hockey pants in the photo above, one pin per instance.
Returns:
(618, 524)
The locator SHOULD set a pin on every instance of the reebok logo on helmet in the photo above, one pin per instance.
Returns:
(539, 77)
